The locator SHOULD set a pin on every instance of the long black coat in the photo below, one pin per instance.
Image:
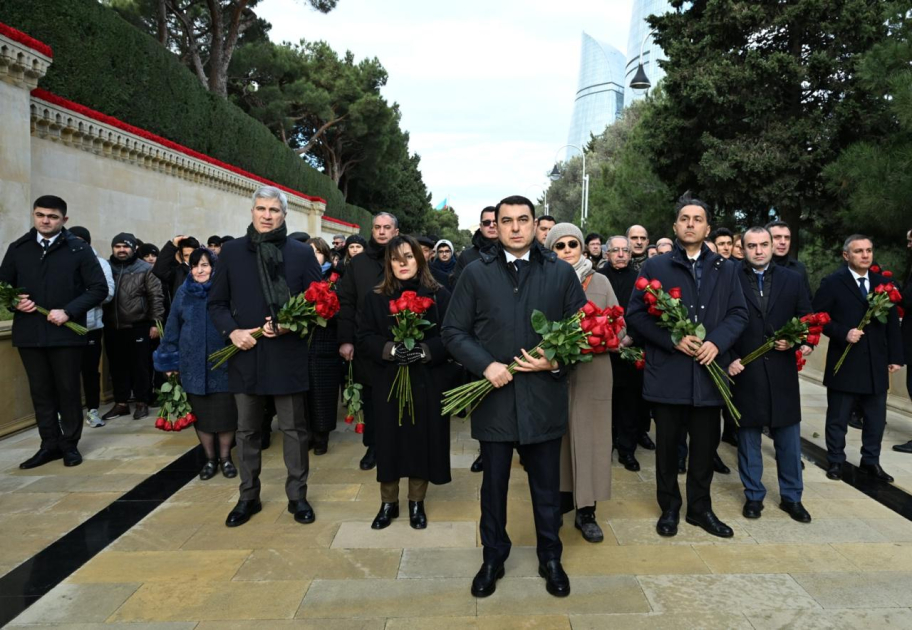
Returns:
(67, 277)
(865, 368)
(273, 366)
(622, 281)
(671, 377)
(364, 273)
(798, 267)
(479, 243)
(325, 373)
(421, 448)
(490, 320)
(907, 322)
(766, 392)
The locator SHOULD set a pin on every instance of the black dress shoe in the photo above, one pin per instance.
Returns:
(730, 437)
(856, 421)
(646, 442)
(629, 461)
(871, 469)
(556, 581)
(711, 524)
(417, 517)
(369, 460)
(388, 511)
(719, 466)
(42, 457)
(229, 470)
(321, 443)
(834, 471)
(302, 511)
(903, 448)
(477, 465)
(485, 581)
(209, 470)
(265, 440)
(682, 466)
(796, 511)
(116, 411)
(586, 523)
(72, 457)
(752, 509)
(242, 512)
(668, 523)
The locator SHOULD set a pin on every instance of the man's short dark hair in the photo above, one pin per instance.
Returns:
(757, 229)
(51, 202)
(227, 238)
(648, 247)
(81, 232)
(488, 209)
(687, 200)
(546, 217)
(188, 242)
(214, 240)
(514, 200)
(777, 223)
(722, 232)
(592, 236)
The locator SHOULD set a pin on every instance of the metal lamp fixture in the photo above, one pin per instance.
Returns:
(555, 173)
(640, 81)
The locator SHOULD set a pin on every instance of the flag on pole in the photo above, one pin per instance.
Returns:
(443, 205)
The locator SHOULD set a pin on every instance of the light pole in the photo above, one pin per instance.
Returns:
(640, 81)
(544, 194)
(556, 175)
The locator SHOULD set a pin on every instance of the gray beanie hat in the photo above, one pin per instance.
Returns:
(443, 241)
(561, 230)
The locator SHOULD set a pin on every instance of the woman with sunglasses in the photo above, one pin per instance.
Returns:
(586, 448)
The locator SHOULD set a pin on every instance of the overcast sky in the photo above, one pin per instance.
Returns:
(486, 87)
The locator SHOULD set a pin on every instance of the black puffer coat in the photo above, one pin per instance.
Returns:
(489, 320)
(479, 244)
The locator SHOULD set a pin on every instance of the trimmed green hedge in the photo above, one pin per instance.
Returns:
(103, 62)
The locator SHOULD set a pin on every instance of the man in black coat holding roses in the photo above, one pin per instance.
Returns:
(677, 380)
(487, 326)
(255, 277)
(766, 390)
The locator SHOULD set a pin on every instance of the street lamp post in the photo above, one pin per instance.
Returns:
(640, 80)
(556, 175)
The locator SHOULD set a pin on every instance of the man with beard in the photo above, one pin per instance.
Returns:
(362, 276)
(255, 276)
(629, 411)
(485, 236)
(443, 263)
(59, 272)
(677, 380)
(129, 320)
(639, 241)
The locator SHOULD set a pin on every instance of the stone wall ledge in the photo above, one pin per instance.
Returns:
(20, 63)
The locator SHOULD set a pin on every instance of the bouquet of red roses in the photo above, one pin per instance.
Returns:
(635, 355)
(9, 298)
(564, 341)
(880, 301)
(806, 330)
(351, 396)
(602, 327)
(300, 314)
(666, 306)
(172, 403)
(409, 310)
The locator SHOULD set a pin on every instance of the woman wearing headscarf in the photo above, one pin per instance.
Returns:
(586, 448)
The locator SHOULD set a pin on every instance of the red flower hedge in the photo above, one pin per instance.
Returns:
(25, 40)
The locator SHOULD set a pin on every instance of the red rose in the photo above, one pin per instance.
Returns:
(168, 426)
(359, 428)
(159, 423)
(813, 340)
(895, 297)
(875, 268)
(886, 273)
(815, 330)
(880, 288)
(675, 292)
(394, 307)
(612, 341)
(586, 350)
(654, 311)
(333, 277)
(639, 364)
(403, 303)
(641, 283)
(617, 311)
(823, 319)
(901, 312)
(590, 309)
(598, 331)
(619, 324)
(594, 341)
(890, 287)
(650, 299)
(600, 349)
(586, 324)
(349, 419)
(655, 285)
(310, 295)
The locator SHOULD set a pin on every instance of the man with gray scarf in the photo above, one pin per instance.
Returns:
(639, 244)
(255, 277)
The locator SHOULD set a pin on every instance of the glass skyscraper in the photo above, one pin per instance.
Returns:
(599, 93)
(651, 53)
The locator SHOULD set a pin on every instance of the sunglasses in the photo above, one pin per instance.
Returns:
(569, 244)
(488, 222)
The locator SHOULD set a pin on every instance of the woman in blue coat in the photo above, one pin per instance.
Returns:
(190, 337)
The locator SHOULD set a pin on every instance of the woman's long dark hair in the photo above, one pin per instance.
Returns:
(391, 283)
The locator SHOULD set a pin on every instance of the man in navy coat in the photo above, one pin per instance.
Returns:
(766, 390)
(677, 380)
(876, 352)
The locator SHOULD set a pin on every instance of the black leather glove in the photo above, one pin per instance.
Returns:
(405, 356)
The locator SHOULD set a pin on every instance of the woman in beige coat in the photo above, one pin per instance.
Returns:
(586, 449)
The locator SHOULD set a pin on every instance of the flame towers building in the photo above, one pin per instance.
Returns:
(651, 53)
(600, 91)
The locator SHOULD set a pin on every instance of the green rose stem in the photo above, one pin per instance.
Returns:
(10, 296)
(864, 322)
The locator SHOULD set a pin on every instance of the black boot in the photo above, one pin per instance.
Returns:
(369, 460)
(417, 517)
(320, 443)
(388, 511)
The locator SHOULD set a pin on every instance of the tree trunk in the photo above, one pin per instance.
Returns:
(161, 18)
(792, 216)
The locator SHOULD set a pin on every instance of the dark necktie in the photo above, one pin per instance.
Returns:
(46, 245)
(864, 289)
(760, 282)
(519, 263)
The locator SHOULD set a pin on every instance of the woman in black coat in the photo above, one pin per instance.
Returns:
(419, 447)
(324, 366)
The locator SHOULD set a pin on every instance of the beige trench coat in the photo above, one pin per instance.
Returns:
(586, 447)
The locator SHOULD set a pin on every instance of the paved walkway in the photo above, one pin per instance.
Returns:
(180, 568)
